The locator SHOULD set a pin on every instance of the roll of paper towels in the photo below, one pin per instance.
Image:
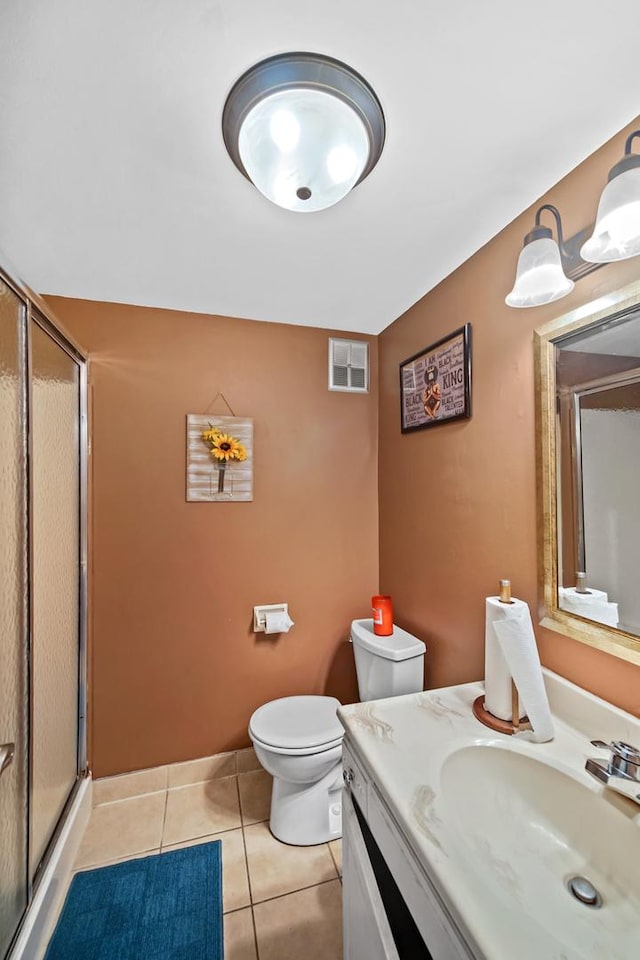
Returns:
(594, 605)
(513, 655)
(519, 649)
(277, 621)
(497, 676)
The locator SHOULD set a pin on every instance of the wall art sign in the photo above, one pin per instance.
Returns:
(219, 458)
(435, 384)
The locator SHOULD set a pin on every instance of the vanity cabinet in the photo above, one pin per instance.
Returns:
(367, 934)
(471, 838)
(391, 909)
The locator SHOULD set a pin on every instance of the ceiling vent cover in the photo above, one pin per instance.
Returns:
(348, 365)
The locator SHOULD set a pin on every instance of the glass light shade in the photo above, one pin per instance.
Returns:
(616, 235)
(539, 277)
(303, 149)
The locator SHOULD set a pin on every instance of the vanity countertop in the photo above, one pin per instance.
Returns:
(499, 823)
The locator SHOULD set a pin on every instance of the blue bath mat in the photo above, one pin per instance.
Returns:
(164, 907)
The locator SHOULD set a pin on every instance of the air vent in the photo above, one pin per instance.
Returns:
(348, 365)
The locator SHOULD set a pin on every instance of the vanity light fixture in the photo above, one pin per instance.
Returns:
(540, 276)
(304, 129)
(546, 269)
(616, 235)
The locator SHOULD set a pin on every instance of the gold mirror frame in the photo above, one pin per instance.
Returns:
(619, 643)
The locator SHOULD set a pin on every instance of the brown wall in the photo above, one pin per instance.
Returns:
(458, 501)
(177, 670)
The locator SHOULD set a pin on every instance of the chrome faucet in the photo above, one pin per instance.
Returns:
(621, 771)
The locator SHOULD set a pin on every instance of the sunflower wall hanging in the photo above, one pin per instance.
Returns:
(219, 458)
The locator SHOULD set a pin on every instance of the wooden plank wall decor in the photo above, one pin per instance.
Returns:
(206, 479)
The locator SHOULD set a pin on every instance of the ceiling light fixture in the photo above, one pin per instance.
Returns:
(304, 129)
(546, 270)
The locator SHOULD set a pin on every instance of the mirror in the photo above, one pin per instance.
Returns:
(588, 409)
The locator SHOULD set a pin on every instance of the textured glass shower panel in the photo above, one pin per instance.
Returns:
(13, 617)
(56, 583)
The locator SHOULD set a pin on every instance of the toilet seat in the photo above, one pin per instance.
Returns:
(297, 725)
(300, 752)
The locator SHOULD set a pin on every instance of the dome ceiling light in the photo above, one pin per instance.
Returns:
(304, 129)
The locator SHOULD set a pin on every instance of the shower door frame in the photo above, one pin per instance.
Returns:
(37, 312)
(37, 316)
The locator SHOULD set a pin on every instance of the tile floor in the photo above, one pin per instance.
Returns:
(280, 902)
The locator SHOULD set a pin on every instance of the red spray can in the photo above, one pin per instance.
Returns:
(382, 611)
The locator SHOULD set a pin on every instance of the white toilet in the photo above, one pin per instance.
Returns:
(298, 740)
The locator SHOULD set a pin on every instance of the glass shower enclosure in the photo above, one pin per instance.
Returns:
(43, 593)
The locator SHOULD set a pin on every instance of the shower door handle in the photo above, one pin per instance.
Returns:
(7, 751)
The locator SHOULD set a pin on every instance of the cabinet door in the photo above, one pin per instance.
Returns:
(355, 779)
(434, 924)
(367, 935)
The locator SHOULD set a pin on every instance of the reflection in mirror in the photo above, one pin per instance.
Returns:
(587, 365)
(597, 376)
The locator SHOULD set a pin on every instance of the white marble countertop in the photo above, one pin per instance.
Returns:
(505, 885)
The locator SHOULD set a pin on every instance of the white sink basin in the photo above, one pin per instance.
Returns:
(525, 828)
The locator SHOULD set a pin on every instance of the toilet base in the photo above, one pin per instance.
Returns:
(303, 814)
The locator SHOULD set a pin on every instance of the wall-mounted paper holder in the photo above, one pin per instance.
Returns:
(260, 614)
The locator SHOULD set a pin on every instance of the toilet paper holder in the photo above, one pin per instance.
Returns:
(260, 614)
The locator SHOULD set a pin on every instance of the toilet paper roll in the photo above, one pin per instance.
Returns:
(594, 605)
(497, 676)
(518, 646)
(277, 621)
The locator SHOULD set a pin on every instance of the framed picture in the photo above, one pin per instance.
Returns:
(435, 384)
(219, 458)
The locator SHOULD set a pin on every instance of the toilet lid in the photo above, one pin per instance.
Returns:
(297, 722)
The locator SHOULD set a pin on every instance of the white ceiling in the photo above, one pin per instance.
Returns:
(115, 184)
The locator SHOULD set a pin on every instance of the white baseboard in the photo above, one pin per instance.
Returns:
(45, 908)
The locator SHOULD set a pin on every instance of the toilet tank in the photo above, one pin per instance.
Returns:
(386, 666)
